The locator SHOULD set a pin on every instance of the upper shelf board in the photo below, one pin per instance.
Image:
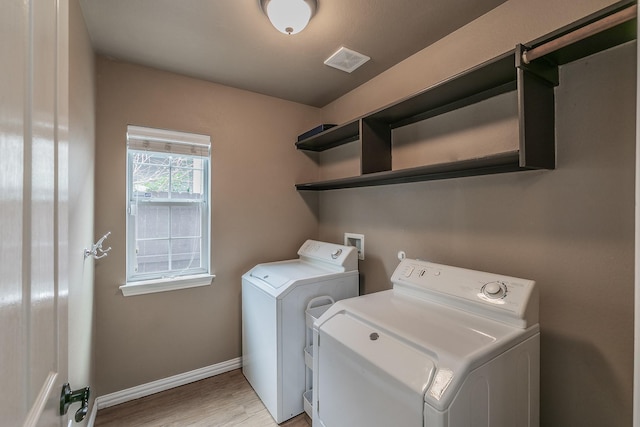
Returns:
(483, 81)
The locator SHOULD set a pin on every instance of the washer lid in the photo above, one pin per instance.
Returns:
(365, 366)
(398, 358)
(269, 276)
(454, 340)
(402, 361)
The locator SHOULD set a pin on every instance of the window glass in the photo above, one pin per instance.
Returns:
(168, 215)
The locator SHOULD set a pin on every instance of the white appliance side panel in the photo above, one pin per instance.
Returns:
(502, 393)
(367, 377)
(259, 343)
(293, 336)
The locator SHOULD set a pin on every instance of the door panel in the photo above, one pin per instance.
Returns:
(33, 287)
(12, 88)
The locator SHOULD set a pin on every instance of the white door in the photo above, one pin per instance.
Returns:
(33, 213)
(636, 352)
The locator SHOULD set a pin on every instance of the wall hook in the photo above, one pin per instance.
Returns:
(97, 247)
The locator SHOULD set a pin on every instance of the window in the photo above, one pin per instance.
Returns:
(167, 210)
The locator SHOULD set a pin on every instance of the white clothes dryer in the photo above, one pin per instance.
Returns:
(446, 347)
(274, 299)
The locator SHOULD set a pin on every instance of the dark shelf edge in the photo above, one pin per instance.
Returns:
(333, 137)
(482, 78)
(479, 82)
(455, 105)
(499, 163)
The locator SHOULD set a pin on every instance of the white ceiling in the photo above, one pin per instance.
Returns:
(233, 43)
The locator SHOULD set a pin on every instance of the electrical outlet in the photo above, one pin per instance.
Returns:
(356, 240)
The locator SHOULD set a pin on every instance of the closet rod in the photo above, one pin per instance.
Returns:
(581, 33)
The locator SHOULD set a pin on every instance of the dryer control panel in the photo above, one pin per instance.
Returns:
(345, 258)
(503, 298)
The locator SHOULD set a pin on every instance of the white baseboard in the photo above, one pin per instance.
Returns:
(153, 387)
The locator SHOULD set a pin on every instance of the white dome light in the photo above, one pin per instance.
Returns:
(289, 16)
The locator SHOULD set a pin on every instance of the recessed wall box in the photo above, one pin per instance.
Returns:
(357, 241)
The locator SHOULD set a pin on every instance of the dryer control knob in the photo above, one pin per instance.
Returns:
(335, 254)
(494, 290)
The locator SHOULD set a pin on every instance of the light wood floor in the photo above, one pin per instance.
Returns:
(225, 400)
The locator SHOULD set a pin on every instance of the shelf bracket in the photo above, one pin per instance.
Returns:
(542, 68)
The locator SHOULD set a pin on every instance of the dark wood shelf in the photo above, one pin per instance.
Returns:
(469, 87)
(499, 163)
(331, 138)
(533, 82)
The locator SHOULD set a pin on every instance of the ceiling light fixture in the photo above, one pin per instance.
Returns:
(289, 16)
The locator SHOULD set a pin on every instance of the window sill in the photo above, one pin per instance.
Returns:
(162, 285)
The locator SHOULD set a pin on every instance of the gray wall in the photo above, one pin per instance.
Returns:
(81, 198)
(257, 216)
(570, 229)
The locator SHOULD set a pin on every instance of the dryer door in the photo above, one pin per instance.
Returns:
(368, 377)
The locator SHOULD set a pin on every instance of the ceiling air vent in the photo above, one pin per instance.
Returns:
(346, 60)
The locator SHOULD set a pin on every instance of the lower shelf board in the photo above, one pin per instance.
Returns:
(498, 163)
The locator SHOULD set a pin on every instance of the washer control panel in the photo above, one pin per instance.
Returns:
(495, 290)
(504, 298)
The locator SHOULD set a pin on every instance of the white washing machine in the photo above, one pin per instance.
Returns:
(274, 299)
(446, 347)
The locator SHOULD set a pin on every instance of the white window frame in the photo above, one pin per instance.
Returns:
(166, 141)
